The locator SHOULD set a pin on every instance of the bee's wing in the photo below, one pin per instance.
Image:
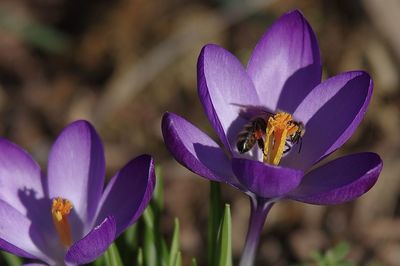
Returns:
(250, 111)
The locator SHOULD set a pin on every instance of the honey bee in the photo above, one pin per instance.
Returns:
(252, 132)
(255, 130)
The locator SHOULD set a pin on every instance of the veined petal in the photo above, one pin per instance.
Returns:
(285, 65)
(18, 235)
(224, 88)
(128, 193)
(264, 180)
(195, 150)
(330, 113)
(20, 179)
(76, 172)
(341, 180)
(94, 244)
(23, 187)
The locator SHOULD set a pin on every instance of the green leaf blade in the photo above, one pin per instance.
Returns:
(214, 222)
(149, 246)
(175, 245)
(112, 257)
(139, 257)
(11, 259)
(225, 256)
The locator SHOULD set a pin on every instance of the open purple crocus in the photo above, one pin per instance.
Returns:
(65, 218)
(283, 76)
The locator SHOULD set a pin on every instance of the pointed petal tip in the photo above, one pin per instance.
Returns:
(209, 51)
(200, 61)
(360, 74)
(145, 157)
(148, 162)
(294, 16)
(294, 13)
(167, 119)
(210, 46)
(80, 123)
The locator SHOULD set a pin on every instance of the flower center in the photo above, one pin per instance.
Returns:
(280, 127)
(60, 210)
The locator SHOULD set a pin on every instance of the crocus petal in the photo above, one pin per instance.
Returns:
(6, 246)
(20, 178)
(129, 192)
(266, 180)
(331, 113)
(18, 235)
(341, 180)
(224, 88)
(93, 244)
(76, 172)
(194, 149)
(285, 65)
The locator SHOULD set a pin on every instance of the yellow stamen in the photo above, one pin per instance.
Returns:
(60, 210)
(279, 128)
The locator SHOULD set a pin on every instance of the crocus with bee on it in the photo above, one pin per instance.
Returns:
(283, 78)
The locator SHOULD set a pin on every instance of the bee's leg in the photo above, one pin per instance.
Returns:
(260, 143)
(287, 148)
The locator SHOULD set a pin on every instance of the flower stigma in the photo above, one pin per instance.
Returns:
(60, 210)
(280, 128)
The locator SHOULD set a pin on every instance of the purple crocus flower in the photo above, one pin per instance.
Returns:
(65, 218)
(305, 121)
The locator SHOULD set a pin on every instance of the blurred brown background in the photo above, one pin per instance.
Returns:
(121, 64)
